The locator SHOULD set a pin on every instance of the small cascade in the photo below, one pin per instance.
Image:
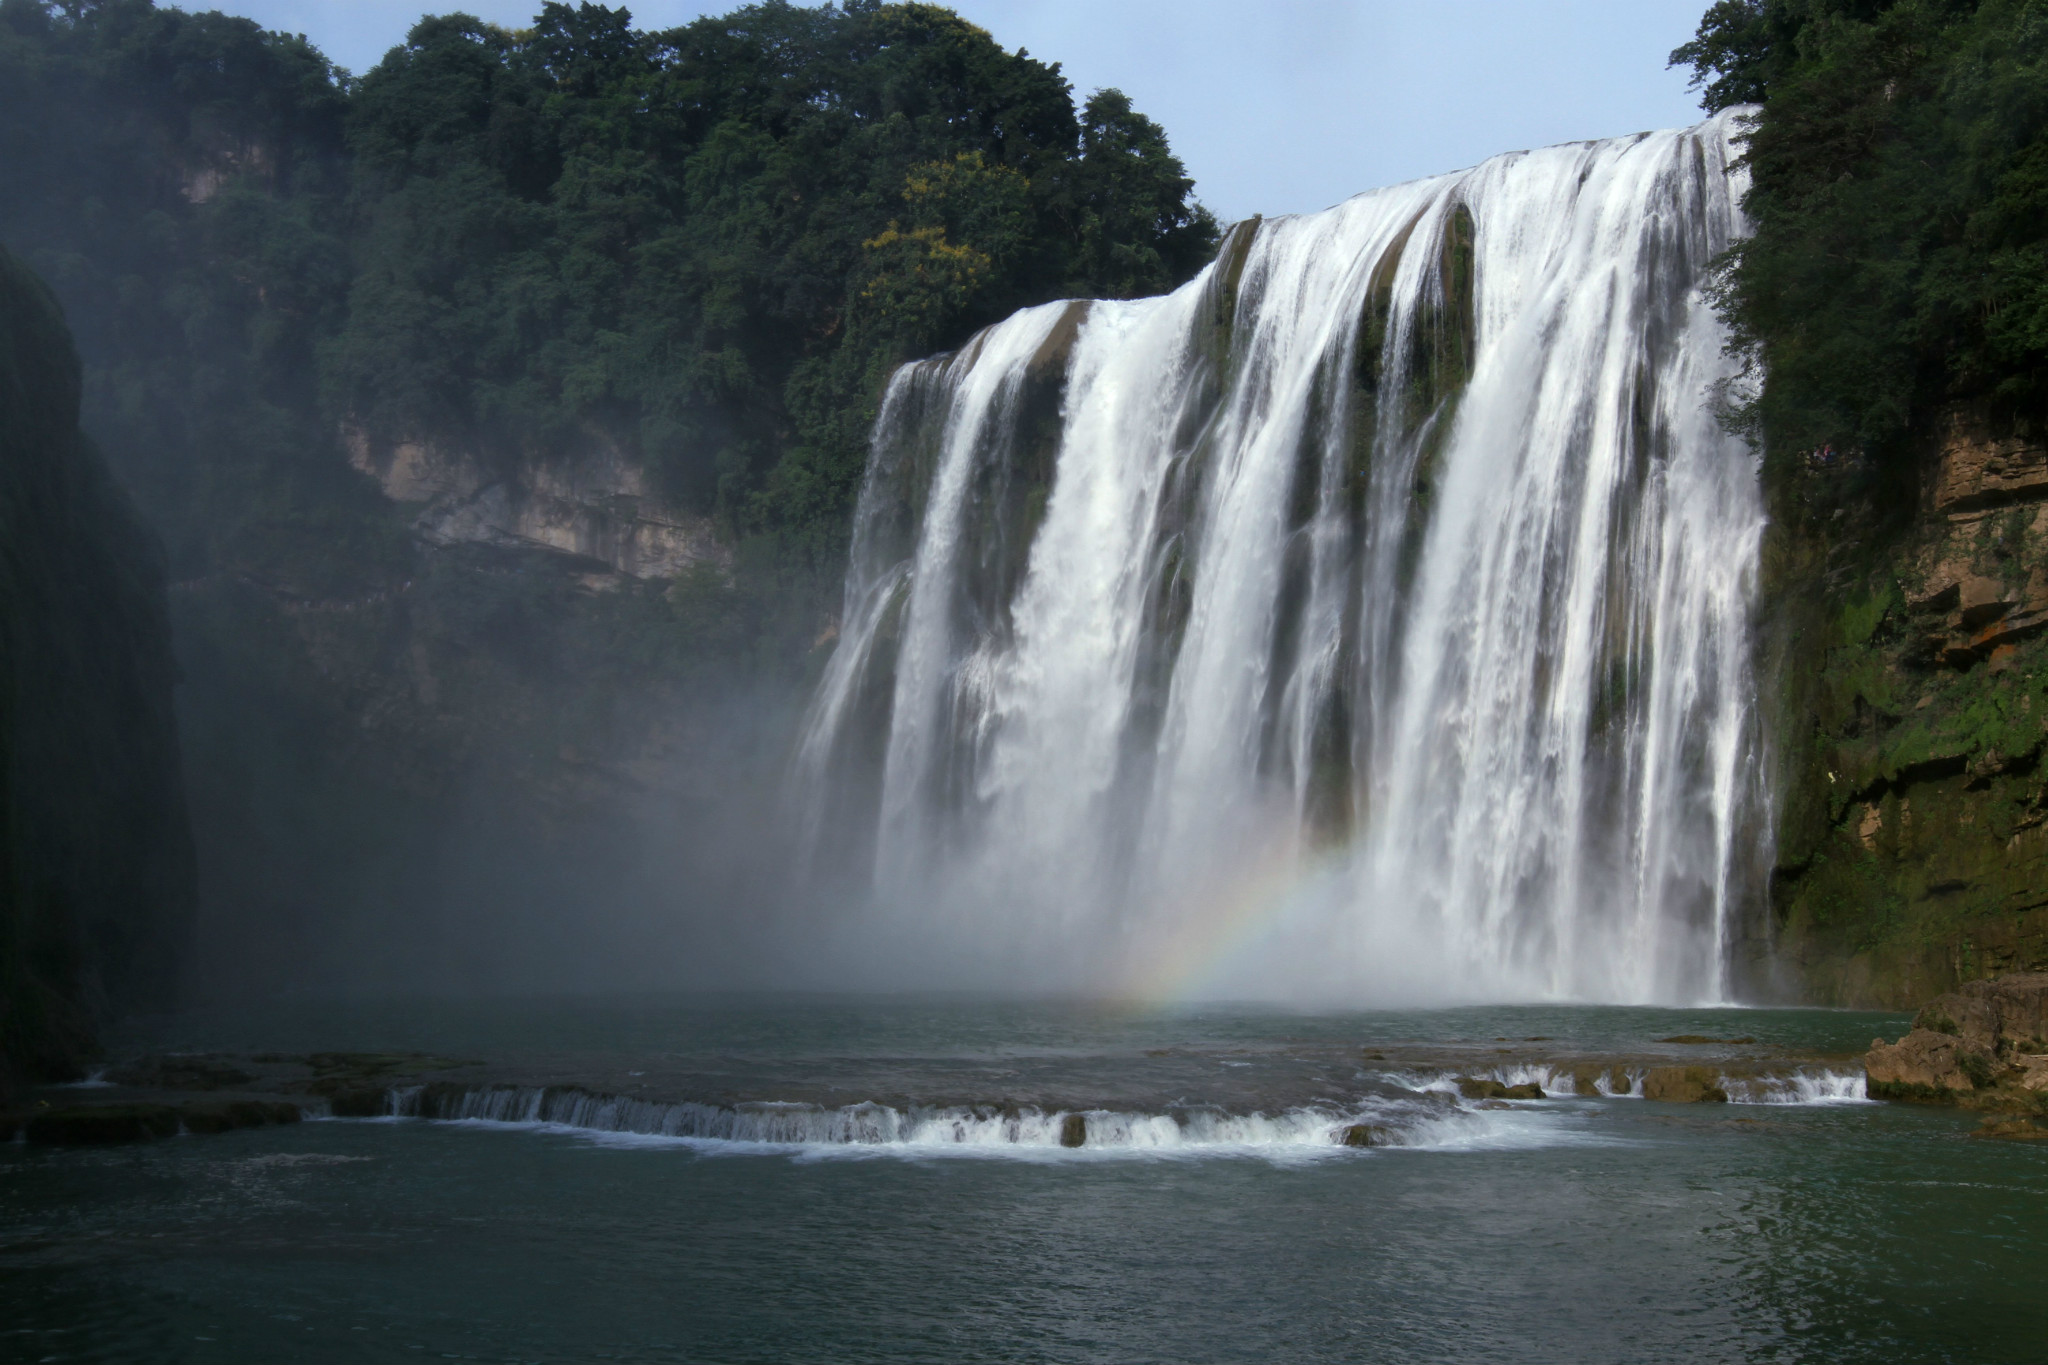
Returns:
(1366, 620)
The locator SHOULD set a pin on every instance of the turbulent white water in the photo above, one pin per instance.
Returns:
(1365, 620)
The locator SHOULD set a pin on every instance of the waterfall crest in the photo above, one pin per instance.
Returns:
(1367, 619)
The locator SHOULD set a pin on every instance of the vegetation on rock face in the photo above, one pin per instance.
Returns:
(95, 856)
(1895, 294)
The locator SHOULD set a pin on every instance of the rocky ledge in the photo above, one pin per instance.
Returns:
(1982, 1046)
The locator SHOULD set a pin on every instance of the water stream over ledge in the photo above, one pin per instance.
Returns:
(824, 1200)
(1366, 620)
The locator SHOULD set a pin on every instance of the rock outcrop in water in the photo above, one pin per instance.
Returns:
(96, 872)
(1984, 1045)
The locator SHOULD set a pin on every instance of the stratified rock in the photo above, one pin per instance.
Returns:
(1979, 471)
(1365, 1135)
(1684, 1085)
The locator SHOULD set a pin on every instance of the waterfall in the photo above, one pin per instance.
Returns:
(1367, 619)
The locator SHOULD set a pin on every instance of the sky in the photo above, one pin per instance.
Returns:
(1279, 106)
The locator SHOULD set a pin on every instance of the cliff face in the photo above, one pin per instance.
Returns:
(593, 502)
(1911, 662)
(96, 869)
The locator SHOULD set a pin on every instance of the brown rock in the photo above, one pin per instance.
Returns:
(1074, 1130)
(1474, 1088)
(1528, 1091)
(1977, 471)
(1684, 1085)
(2001, 1015)
(1365, 1135)
(1923, 1064)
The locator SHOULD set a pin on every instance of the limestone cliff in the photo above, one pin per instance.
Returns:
(591, 502)
(1909, 653)
(96, 873)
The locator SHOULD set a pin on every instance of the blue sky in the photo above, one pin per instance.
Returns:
(1283, 106)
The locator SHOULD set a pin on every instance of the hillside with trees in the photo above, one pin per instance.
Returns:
(501, 410)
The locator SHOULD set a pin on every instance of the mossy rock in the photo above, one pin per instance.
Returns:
(1365, 1135)
(180, 1073)
(359, 1102)
(1474, 1088)
(1684, 1085)
(91, 1125)
(1074, 1130)
(222, 1118)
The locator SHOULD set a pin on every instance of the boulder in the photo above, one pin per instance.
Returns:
(1924, 1065)
(1074, 1130)
(1475, 1088)
(2003, 1015)
(1527, 1091)
(1365, 1135)
(1684, 1085)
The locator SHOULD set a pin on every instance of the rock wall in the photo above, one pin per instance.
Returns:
(1910, 652)
(591, 502)
(96, 867)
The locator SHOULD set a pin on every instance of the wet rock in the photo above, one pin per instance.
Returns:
(1984, 1036)
(363, 1102)
(1474, 1088)
(1689, 1038)
(1527, 1091)
(1586, 1080)
(1924, 1064)
(221, 1118)
(91, 1125)
(2005, 1013)
(1684, 1085)
(2011, 1130)
(1365, 1135)
(1074, 1130)
(179, 1073)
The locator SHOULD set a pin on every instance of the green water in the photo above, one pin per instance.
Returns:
(1568, 1230)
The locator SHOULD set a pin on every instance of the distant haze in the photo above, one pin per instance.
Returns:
(1285, 106)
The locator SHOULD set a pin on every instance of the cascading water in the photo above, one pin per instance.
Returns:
(1366, 619)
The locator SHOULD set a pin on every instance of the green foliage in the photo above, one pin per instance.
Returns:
(708, 245)
(1900, 201)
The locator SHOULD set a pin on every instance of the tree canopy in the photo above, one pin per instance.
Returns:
(710, 243)
(1899, 266)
